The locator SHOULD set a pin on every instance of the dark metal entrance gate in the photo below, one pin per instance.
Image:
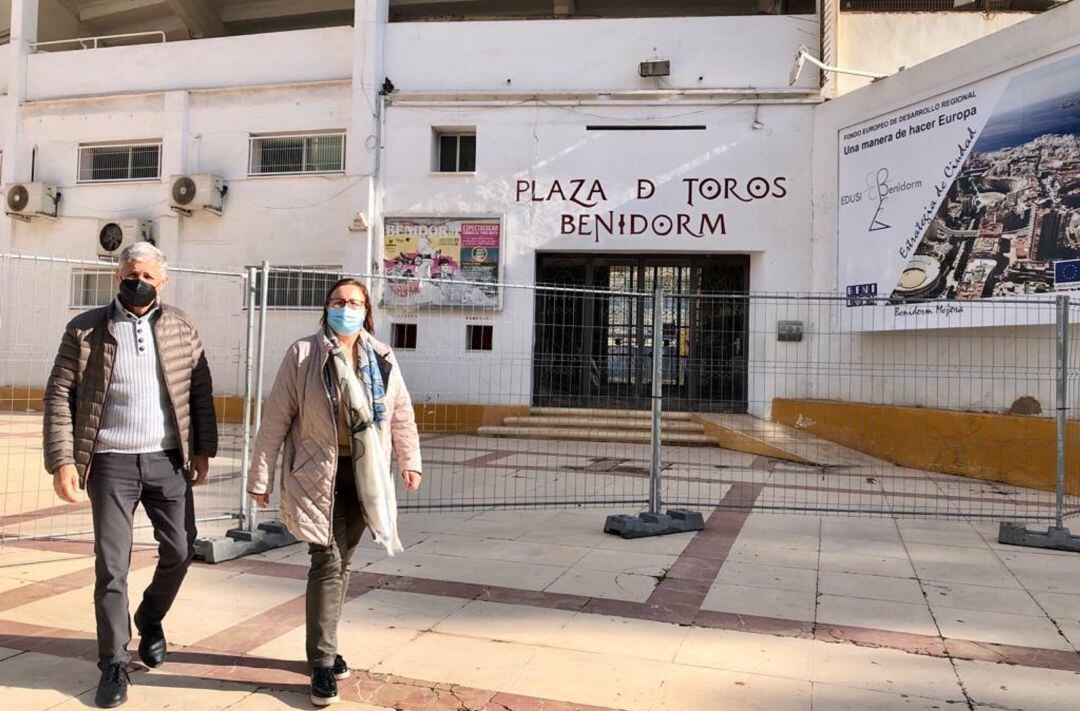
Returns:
(594, 349)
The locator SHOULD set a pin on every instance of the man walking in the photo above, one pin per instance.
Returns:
(129, 416)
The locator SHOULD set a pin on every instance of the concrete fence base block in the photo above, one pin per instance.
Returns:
(648, 524)
(1056, 538)
(238, 542)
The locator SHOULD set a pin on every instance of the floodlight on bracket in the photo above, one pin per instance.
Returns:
(803, 56)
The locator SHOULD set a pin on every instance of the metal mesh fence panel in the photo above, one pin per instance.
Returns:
(541, 396)
(833, 410)
(38, 296)
(1071, 443)
(504, 406)
(986, 6)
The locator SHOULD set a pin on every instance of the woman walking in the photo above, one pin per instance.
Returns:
(338, 405)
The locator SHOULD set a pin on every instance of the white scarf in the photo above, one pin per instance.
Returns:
(374, 480)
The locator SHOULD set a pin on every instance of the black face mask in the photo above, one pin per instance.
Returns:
(136, 293)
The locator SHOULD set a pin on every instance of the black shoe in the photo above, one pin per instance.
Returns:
(112, 688)
(152, 647)
(341, 669)
(324, 687)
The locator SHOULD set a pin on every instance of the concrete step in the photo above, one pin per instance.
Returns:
(600, 412)
(628, 423)
(593, 434)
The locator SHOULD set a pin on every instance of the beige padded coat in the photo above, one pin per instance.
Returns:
(299, 414)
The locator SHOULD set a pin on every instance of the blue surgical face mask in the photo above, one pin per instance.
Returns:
(344, 320)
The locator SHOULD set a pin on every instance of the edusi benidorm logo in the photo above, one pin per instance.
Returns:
(878, 191)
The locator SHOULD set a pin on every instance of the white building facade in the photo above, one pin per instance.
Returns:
(569, 166)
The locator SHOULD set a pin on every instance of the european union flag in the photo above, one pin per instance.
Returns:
(1067, 273)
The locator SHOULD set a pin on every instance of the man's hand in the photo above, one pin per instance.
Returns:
(200, 466)
(261, 500)
(412, 480)
(65, 483)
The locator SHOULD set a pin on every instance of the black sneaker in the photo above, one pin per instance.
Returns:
(341, 669)
(112, 687)
(152, 647)
(324, 687)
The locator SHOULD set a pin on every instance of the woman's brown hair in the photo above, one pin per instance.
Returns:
(369, 316)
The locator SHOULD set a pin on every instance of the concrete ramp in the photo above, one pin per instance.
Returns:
(746, 433)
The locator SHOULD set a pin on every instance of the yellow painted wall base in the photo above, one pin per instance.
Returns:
(463, 419)
(443, 417)
(1007, 448)
(19, 398)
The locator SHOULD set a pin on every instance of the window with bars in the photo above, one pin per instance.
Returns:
(297, 154)
(114, 162)
(478, 337)
(92, 287)
(455, 150)
(403, 336)
(300, 288)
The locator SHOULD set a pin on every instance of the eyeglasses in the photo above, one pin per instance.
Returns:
(351, 303)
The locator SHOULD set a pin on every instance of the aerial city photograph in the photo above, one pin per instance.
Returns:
(1014, 209)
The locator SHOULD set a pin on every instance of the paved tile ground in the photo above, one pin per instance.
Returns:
(476, 608)
(540, 610)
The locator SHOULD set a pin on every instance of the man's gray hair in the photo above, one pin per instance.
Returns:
(143, 252)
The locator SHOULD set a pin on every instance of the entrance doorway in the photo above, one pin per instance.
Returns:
(595, 349)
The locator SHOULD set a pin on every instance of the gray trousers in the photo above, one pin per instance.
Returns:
(117, 484)
(328, 577)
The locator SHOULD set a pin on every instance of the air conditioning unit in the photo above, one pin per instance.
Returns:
(26, 200)
(114, 235)
(188, 193)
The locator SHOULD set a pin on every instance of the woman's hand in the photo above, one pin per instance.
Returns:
(412, 480)
(261, 500)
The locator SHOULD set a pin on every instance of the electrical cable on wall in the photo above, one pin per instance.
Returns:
(108, 210)
(330, 197)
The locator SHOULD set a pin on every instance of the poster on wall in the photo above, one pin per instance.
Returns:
(973, 194)
(442, 261)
